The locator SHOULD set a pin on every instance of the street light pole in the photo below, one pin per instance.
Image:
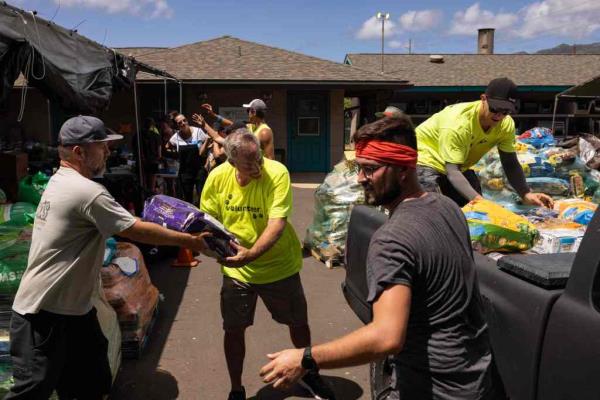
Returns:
(383, 17)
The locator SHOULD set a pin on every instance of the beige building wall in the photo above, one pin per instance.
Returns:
(336, 122)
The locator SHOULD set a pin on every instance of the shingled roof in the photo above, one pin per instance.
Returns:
(138, 51)
(479, 69)
(230, 59)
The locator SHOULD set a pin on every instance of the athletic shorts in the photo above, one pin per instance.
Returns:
(284, 299)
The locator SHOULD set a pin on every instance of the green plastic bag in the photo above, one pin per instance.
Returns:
(15, 243)
(32, 187)
(6, 379)
(17, 214)
(13, 262)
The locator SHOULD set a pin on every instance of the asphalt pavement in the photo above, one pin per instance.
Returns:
(184, 356)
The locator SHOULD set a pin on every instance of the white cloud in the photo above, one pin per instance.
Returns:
(468, 21)
(571, 18)
(397, 44)
(142, 8)
(420, 20)
(371, 29)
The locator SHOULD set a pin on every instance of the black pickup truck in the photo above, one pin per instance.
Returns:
(543, 312)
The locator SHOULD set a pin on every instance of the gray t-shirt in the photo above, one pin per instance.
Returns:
(426, 245)
(73, 220)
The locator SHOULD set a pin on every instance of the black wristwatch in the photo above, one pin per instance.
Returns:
(308, 362)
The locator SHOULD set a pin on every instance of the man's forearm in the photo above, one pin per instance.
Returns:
(459, 182)
(150, 233)
(359, 347)
(269, 237)
(514, 172)
(214, 135)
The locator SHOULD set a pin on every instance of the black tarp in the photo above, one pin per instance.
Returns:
(588, 89)
(77, 73)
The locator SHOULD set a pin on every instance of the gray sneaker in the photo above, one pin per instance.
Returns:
(316, 386)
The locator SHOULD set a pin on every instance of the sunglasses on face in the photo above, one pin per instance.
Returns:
(502, 111)
(369, 170)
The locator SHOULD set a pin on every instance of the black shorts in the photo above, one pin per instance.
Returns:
(434, 181)
(284, 299)
(58, 352)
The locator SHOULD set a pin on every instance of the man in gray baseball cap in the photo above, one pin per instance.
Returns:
(56, 340)
(85, 129)
(257, 110)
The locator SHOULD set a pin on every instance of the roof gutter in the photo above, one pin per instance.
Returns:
(321, 83)
(481, 89)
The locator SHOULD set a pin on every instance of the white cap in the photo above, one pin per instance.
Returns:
(256, 104)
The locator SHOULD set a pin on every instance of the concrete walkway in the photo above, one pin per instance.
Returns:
(184, 357)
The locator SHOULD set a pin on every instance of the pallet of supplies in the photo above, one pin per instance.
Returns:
(130, 292)
(334, 198)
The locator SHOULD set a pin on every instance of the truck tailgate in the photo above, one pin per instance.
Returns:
(517, 314)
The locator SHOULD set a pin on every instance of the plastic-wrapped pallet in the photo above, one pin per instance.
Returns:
(130, 292)
(334, 199)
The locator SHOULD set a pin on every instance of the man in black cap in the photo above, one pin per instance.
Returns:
(453, 140)
(56, 340)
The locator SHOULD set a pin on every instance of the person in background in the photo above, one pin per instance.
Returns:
(188, 141)
(427, 310)
(257, 110)
(216, 154)
(252, 197)
(456, 138)
(151, 152)
(56, 342)
(390, 112)
(217, 134)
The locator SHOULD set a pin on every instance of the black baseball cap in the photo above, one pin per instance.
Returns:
(502, 95)
(235, 126)
(85, 129)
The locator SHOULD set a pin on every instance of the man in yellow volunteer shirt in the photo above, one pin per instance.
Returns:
(252, 197)
(453, 140)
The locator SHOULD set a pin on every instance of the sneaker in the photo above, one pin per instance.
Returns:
(237, 394)
(316, 386)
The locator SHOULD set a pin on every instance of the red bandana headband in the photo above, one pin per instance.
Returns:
(387, 153)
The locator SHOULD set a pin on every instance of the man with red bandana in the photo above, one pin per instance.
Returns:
(428, 321)
(453, 140)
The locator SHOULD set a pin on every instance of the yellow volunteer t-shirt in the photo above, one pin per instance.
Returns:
(255, 129)
(245, 211)
(455, 136)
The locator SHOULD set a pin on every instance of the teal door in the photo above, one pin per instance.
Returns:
(308, 132)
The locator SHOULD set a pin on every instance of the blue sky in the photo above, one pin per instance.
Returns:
(330, 29)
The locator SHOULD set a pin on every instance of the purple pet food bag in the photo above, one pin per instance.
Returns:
(181, 216)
